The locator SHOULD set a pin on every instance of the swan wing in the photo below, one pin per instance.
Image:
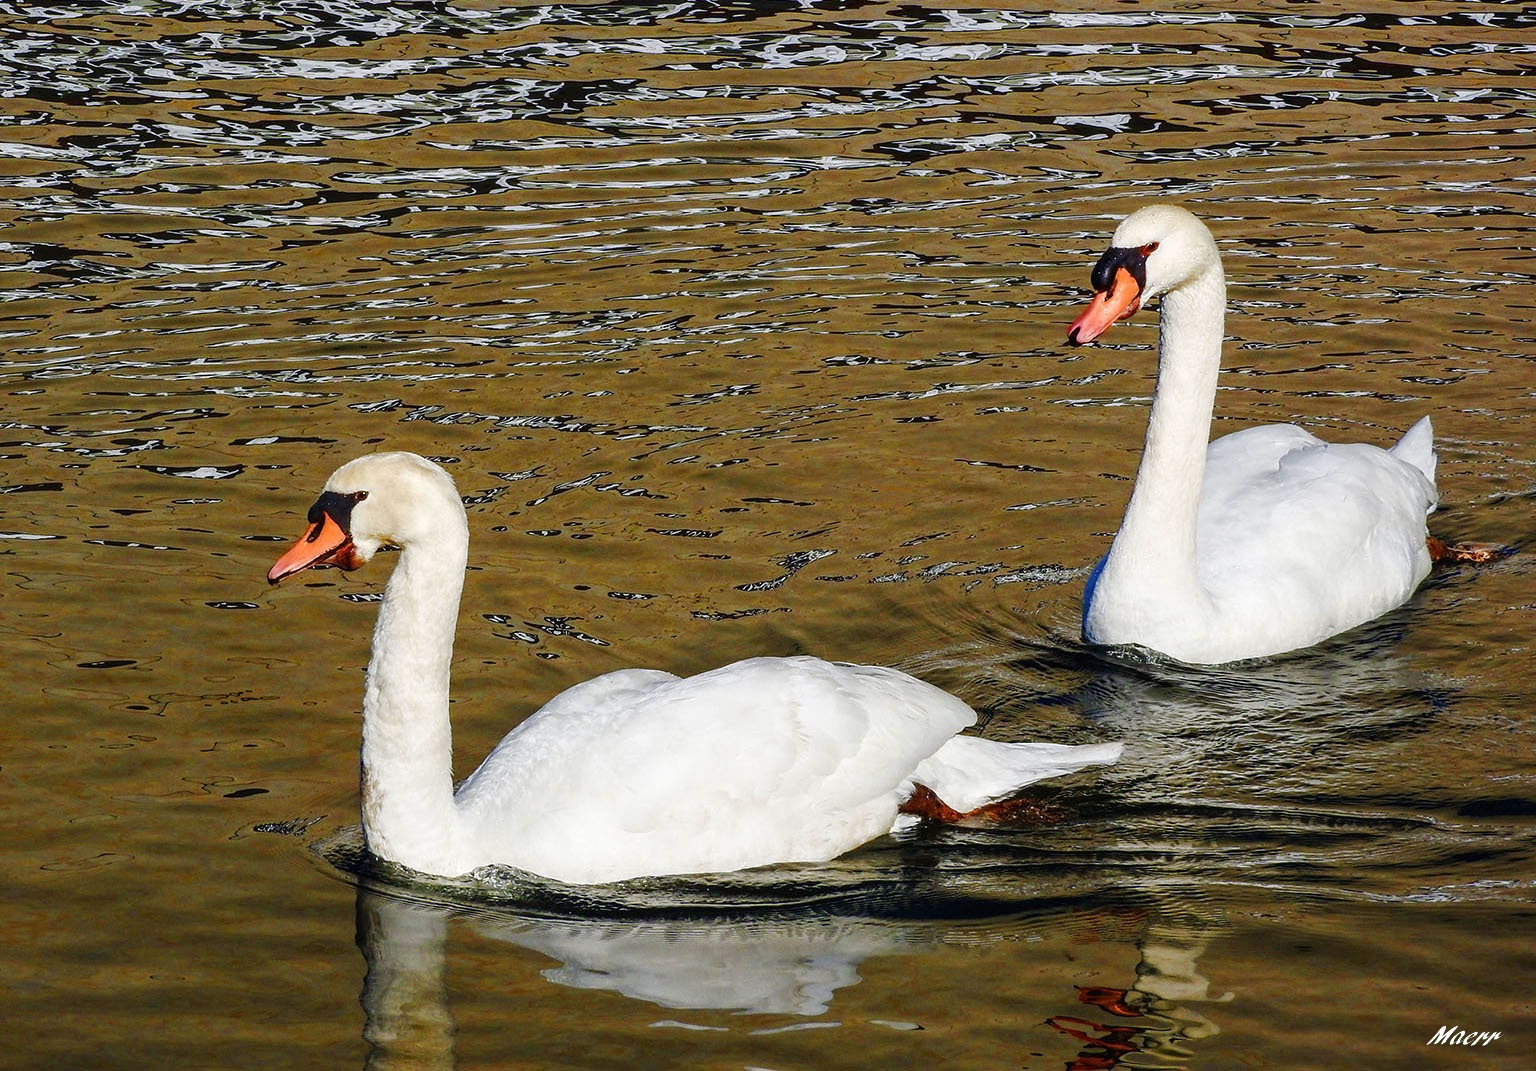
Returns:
(769, 759)
(1298, 534)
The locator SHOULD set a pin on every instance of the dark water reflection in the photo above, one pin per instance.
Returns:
(740, 326)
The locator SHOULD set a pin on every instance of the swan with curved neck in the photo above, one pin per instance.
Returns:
(1265, 540)
(636, 772)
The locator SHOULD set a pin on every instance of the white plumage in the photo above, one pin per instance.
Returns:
(637, 772)
(1265, 540)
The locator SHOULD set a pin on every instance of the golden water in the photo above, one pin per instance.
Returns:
(741, 326)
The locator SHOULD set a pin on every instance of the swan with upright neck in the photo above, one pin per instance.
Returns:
(635, 772)
(1265, 540)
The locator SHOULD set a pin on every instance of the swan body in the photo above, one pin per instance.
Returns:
(1265, 540)
(636, 772)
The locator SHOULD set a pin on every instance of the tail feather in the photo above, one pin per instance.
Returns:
(1417, 448)
(968, 771)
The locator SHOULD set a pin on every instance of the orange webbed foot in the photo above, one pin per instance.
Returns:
(926, 805)
(1466, 553)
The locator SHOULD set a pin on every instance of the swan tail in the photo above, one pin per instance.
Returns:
(1417, 448)
(969, 772)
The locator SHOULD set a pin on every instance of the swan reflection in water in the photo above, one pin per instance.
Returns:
(774, 966)
(1166, 999)
(783, 966)
(787, 965)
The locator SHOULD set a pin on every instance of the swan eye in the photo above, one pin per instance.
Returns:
(1148, 249)
(336, 505)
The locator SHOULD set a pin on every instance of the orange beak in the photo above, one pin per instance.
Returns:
(1107, 308)
(324, 543)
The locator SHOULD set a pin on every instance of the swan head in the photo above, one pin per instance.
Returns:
(1154, 250)
(386, 499)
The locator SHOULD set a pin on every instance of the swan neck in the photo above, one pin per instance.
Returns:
(1160, 521)
(408, 807)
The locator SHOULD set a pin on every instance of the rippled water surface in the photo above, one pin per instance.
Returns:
(741, 328)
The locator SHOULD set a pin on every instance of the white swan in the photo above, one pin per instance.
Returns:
(1265, 540)
(636, 772)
